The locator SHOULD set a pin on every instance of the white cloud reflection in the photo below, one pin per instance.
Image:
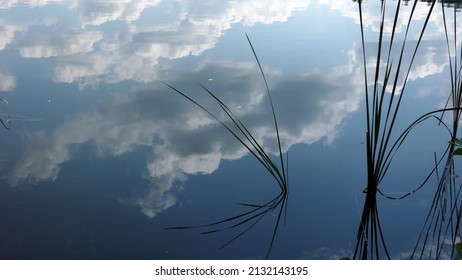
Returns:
(310, 108)
(49, 45)
(7, 82)
(189, 28)
(99, 12)
(7, 33)
(133, 50)
(371, 14)
(432, 59)
(432, 56)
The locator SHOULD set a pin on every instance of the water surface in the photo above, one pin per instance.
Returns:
(102, 156)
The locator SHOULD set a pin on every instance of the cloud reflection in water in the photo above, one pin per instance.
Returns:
(310, 108)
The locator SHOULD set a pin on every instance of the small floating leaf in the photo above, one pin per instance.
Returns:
(458, 253)
(459, 247)
(458, 142)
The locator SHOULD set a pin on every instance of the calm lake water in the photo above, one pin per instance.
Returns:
(102, 156)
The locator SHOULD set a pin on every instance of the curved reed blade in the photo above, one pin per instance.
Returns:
(6, 123)
(278, 170)
(281, 160)
(244, 214)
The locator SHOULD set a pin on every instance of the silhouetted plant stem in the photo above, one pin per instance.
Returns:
(381, 117)
(5, 123)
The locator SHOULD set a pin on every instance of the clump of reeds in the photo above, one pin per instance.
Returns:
(278, 169)
(383, 101)
(443, 220)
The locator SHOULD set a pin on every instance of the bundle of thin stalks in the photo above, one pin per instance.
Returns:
(442, 224)
(278, 169)
(382, 107)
